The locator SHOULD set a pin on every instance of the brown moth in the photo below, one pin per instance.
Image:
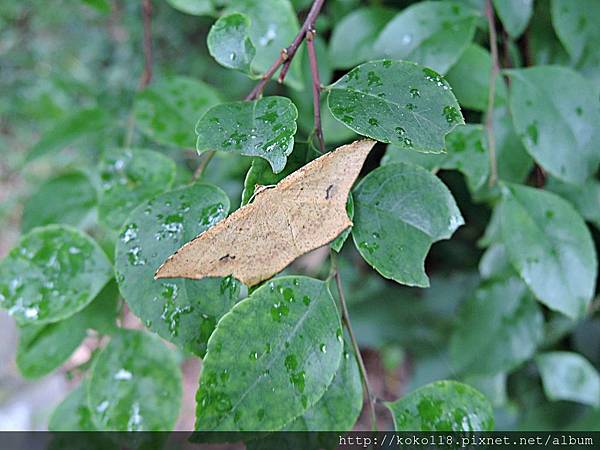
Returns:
(304, 211)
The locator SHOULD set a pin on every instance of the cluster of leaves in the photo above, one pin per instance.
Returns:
(276, 357)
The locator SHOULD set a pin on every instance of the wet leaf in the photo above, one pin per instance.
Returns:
(304, 211)
(73, 414)
(569, 376)
(167, 111)
(184, 312)
(585, 198)
(127, 178)
(399, 211)
(550, 247)
(443, 406)
(271, 358)
(135, 384)
(556, 117)
(55, 203)
(69, 130)
(353, 37)
(467, 153)
(514, 15)
(264, 128)
(396, 102)
(229, 43)
(501, 326)
(433, 34)
(52, 273)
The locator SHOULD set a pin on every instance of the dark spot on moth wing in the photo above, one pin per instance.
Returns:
(329, 191)
(226, 257)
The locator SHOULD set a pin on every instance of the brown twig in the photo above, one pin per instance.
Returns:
(147, 18)
(316, 87)
(258, 89)
(489, 120)
(355, 347)
(200, 169)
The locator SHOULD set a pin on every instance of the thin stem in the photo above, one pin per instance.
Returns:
(309, 23)
(200, 169)
(258, 89)
(489, 120)
(346, 321)
(316, 87)
(148, 62)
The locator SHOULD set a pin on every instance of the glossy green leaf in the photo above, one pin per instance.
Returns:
(433, 34)
(127, 178)
(72, 414)
(396, 102)
(229, 43)
(43, 348)
(494, 263)
(556, 114)
(514, 14)
(135, 384)
(498, 329)
(264, 128)
(273, 26)
(271, 358)
(52, 273)
(182, 311)
(193, 7)
(55, 202)
(69, 130)
(399, 211)
(443, 406)
(585, 198)
(569, 376)
(167, 111)
(550, 247)
(576, 24)
(470, 79)
(353, 37)
(466, 153)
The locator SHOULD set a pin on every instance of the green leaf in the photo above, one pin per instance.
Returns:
(193, 7)
(339, 241)
(550, 247)
(399, 211)
(433, 34)
(497, 330)
(353, 37)
(273, 26)
(102, 6)
(569, 376)
(182, 311)
(576, 25)
(260, 172)
(229, 43)
(263, 128)
(69, 130)
(494, 263)
(72, 414)
(68, 199)
(167, 111)
(396, 102)
(585, 198)
(514, 14)
(271, 358)
(470, 79)
(101, 314)
(127, 178)
(43, 348)
(54, 272)
(135, 384)
(443, 406)
(556, 114)
(466, 153)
